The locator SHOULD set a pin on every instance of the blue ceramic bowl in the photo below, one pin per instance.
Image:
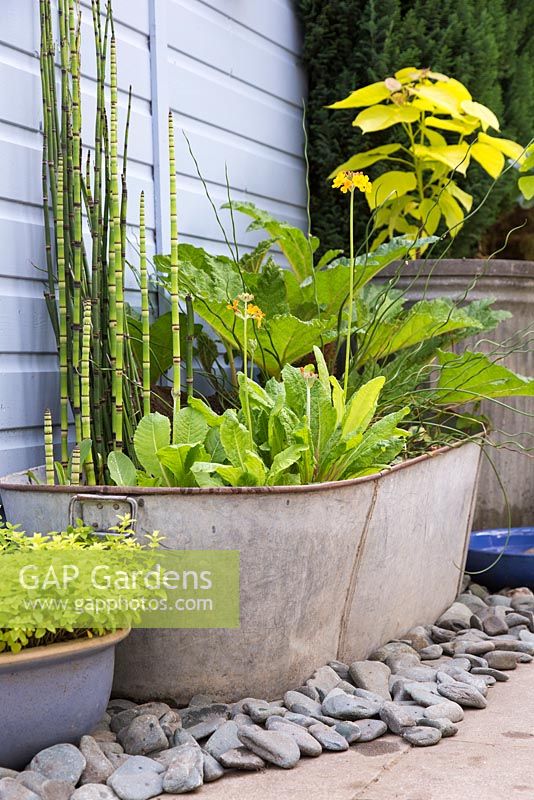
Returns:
(516, 565)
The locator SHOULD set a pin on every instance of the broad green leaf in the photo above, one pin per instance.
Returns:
(361, 407)
(338, 398)
(328, 257)
(454, 156)
(292, 339)
(212, 419)
(526, 186)
(257, 396)
(213, 445)
(152, 433)
(178, 460)
(295, 388)
(389, 186)
(366, 96)
(473, 376)
(378, 118)
(232, 475)
(481, 112)
(283, 461)
(322, 369)
(235, 439)
(302, 436)
(255, 466)
(190, 426)
(122, 469)
(510, 148)
(146, 480)
(366, 159)
(379, 446)
(489, 158)
(323, 419)
(60, 473)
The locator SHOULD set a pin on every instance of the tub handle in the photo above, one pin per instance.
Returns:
(100, 501)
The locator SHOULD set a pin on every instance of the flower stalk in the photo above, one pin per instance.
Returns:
(174, 288)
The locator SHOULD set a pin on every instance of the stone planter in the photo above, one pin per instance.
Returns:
(53, 694)
(328, 570)
(511, 284)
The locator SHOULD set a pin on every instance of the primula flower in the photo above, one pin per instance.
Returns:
(252, 311)
(348, 180)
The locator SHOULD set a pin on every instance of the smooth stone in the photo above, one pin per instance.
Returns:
(422, 695)
(180, 737)
(45, 788)
(93, 791)
(300, 704)
(472, 648)
(186, 771)
(401, 661)
(244, 719)
(371, 729)
(502, 659)
(273, 746)
(328, 738)
(462, 676)
(5, 772)
(391, 649)
(311, 692)
(139, 778)
(119, 704)
(478, 590)
(442, 724)
(459, 662)
(339, 705)
(166, 757)
(472, 601)
(10, 789)
(464, 694)
(373, 676)
(526, 636)
(194, 715)
(243, 759)
(455, 618)
(212, 769)
(201, 700)
(142, 736)
(323, 681)
(441, 635)
(524, 658)
(431, 652)
(225, 738)
(418, 638)
(61, 762)
(421, 674)
(493, 625)
(260, 711)
(448, 709)
(474, 661)
(126, 717)
(98, 768)
(422, 736)
(349, 730)
(397, 717)
(341, 668)
(300, 719)
(498, 600)
(307, 744)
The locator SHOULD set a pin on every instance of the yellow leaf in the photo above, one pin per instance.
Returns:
(363, 160)
(452, 212)
(379, 117)
(454, 156)
(489, 158)
(458, 89)
(526, 186)
(435, 138)
(483, 113)
(507, 146)
(430, 215)
(463, 197)
(366, 96)
(390, 186)
(442, 97)
(457, 125)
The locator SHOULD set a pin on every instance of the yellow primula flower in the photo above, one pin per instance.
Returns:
(252, 311)
(347, 181)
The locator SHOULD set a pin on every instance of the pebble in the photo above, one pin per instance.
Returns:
(241, 758)
(397, 717)
(493, 625)
(422, 673)
(127, 716)
(421, 694)
(186, 771)
(93, 791)
(464, 694)
(455, 618)
(323, 681)
(225, 738)
(98, 768)
(371, 729)
(260, 710)
(372, 676)
(166, 757)
(139, 778)
(341, 668)
(339, 705)
(300, 704)
(422, 736)
(61, 762)
(212, 769)
(472, 601)
(431, 652)
(43, 787)
(498, 600)
(307, 744)
(180, 737)
(442, 724)
(11, 790)
(501, 659)
(8, 773)
(391, 649)
(474, 661)
(448, 709)
(273, 746)
(328, 738)
(349, 730)
(441, 635)
(418, 638)
(142, 736)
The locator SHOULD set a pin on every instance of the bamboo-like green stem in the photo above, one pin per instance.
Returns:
(63, 344)
(115, 250)
(245, 361)
(351, 298)
(49, 447)
(75, 467)
(174, 288)
(145, 306)
(85, 389)
(189, 380)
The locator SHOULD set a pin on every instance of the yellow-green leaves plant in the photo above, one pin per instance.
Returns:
(418, 189)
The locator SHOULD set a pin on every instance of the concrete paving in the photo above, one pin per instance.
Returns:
(491, 756)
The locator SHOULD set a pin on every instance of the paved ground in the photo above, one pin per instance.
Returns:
(491, 756)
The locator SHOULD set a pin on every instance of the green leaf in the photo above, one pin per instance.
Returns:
(323, 418)
(122, 469)
(389, 186)
(338, 398)
(322, 369)
(328, 257)
(379, 446)
(473, 376)
(178, 459)
(526, 186)
(152, 433)
(283, 461)
(212, 419)
(191, 426)
(257, 397)
(361, 407)
(235, 439)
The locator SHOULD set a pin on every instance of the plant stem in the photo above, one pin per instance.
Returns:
(351, 297)
(189, 380)
(245, 362)
(174, 288)
(75, 467)
(145, 306)
(63, 344)
(49, 447)
(85, 387)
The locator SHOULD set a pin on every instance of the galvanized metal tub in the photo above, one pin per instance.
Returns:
(327, 570)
